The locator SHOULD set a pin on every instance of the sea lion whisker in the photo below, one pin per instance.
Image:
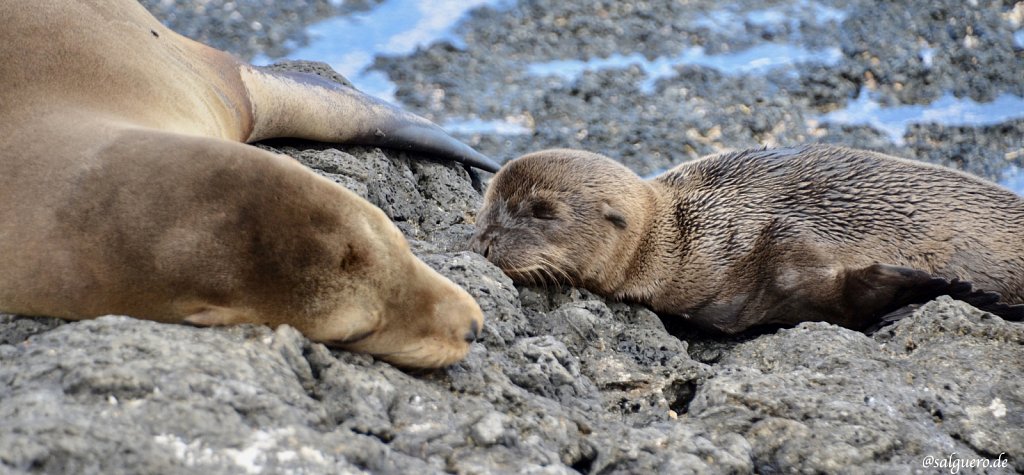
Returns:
(528, 274)
(565, 276)
(537, 277)
(520, 270)
(541, 274)
(551, 269)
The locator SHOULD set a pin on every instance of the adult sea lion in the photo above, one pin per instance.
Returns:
(125, 189)
(759, 237)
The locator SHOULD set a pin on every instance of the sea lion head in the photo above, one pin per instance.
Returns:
(427, 322)
(395, 306)
(563, 216)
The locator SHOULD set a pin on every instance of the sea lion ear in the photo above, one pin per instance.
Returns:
(615, 216)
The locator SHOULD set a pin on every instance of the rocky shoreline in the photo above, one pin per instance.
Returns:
(564, 381)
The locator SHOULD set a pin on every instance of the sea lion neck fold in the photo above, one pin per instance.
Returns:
(642, 276)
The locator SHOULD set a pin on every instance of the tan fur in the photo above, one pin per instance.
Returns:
(124, 190)
(758, 237)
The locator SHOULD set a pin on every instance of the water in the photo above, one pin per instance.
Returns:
(927, 56)
(758, 59)
(1013, 178)
(729, 21)
(484, 127)
(946, 110)
(395, 27)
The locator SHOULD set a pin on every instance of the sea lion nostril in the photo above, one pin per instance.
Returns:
(480, 244)
(473, 333)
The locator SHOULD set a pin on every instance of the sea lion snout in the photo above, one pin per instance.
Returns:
(497, 244)
(474, 333)
(481, 241)
(427, 321)
(448, 326)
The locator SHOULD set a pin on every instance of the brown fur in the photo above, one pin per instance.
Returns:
(124, 190)
(758, 237)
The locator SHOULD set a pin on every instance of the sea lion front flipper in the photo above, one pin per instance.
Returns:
(302, 105)
(892, 317)
(887, 293)
(883, 288)
(988, 301)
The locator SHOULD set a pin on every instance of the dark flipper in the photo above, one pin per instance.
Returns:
(892, 317)
(301, 105)
(432, 140)
(990, 302)
(890, 293)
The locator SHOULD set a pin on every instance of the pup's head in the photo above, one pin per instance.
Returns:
(562, 216)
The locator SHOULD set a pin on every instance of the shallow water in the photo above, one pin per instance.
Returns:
(755, 60)
(758, 59)
(946, 110)
(1013, 178)
(480, 126)
(350, 42)
(731, 19)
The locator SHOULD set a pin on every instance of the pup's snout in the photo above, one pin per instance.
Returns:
(481, 243)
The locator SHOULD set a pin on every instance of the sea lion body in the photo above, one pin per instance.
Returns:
(112, 58)
(124, 189)
(761, 236)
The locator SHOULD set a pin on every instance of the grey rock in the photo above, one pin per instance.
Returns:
(490, 429)
(928, 385)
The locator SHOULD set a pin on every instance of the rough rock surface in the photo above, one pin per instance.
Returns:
(563, 381)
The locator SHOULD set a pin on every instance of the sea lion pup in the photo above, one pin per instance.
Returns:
(124, 189)
(759, 237)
